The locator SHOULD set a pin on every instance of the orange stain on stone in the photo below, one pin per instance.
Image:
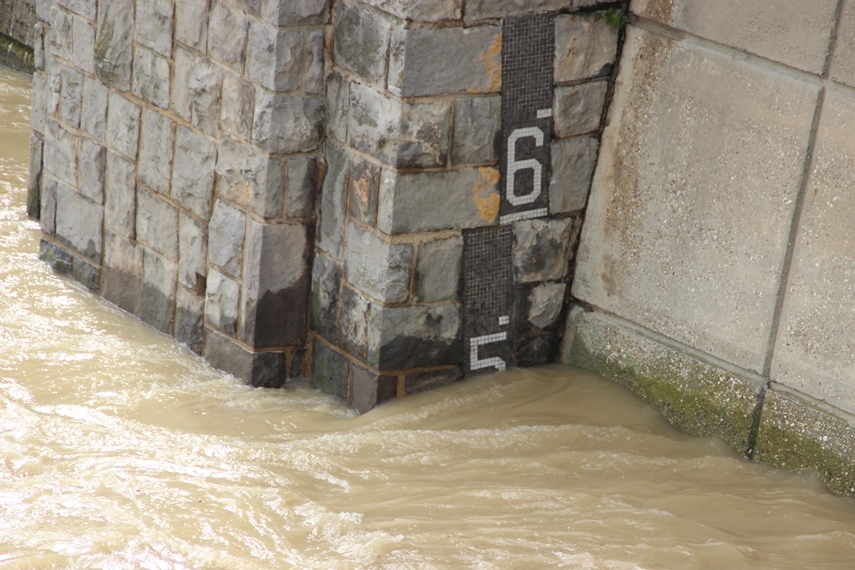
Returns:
(492, 60)
(488, 206)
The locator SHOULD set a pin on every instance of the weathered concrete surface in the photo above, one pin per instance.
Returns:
(843, 62)
(667, 242)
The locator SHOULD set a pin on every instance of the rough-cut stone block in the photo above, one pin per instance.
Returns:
(429, 380)
(361, 40)
(193, 172)
(227, 36)
(333, 201)
(315, 48)
(410, 337)
(436, 61)
(579, 108)
(43, 10)
(205, 84)
(61, 34)
(491, 9)
(192, 252)
(120, 195)
(86, 274)
(326, 283)
(39, 46)
(843, 64)
(151, 77)
(225, 238)
(47, 202)
(367, 389)
(251, 178)
(585, 46)
(71, 96)
(85, 8)
(364, 189)
(477, 121)
(275, 56)
(416, 202)
(535, 350)
(330, 370)
(421, 10)
(114, 43)
(60, 153)
(156, 151)
(189, 320)
(573, 164)
(299, 363)
(157, 224)
(123, 126)
(38, 114)
(302, 186)
(538, 306)
(191, 25)
(158, 294)
(285, 123)
(296, 12)
(338, 106)
(79, 223)
(352, 328)
(377, 267)
(83, 54)
(154, 25)
(93, 161)
(93, 116)
(276, 284)
(238, 106)
(688, 150)
(221, 302)
(59, 259)
(183, 67)
(34, 177)
(400, 134)
(438, 276)
(260, 369)
(542, 249)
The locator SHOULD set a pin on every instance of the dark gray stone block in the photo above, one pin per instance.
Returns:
(55, 256)
(353, 323)
(158, 295)
(536, 350)
(251, 178)
(416, 336)
(226, 237)
(377, 267)
(34, 178)
(79, 223)
(221, 302)
(367, 389)
(326, 283)
(47, 215)
(364, 188)
(330, 370)
(287, 123)
(361, 39)
(438, 275)
(428, 380)
(189, 320)
(333, 201)
(302, 186)
(121, 279)
(477, 122)
(87, 274)
(542, 249)
(260, 369)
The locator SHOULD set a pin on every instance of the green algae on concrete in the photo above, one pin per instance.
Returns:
(694, 395)
(796, 433)
(16, 55)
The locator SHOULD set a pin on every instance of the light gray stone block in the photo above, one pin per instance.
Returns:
(401, 134)
(338, 106)
(123, 126)
(157, 224)
(61, 153)
(326, 287)
(39, 46)
(333, 201)
(302, 186)
(545, 303)
(34, 175)
(83, 53)
(38, 114)
(421, 10)
(120, 196)
(114, 43)
(151, 77)
(477, 122)
(361, 40)
(573, 164)
(225, 238)
(285, 123)
(121, 279)
(251, 178)
(379, 268)
(61, 34)
(79, 223)
(189, 319)
(352, 327)
(578, 109)
(221, 302)
(438, 276)
(154, 25)
(47, 217)
(85, 8)
(410, 337)
(585, 46)
(93, 116)
(71, 96)
(158, 293)
(296, 12)
(415, 202)
(314, 81)
(541, 249)
(43, 10)
(275, 56)
(156, 151)
(205, 92)
(238, 106)
(436, 61)
(183, 67)
(227, 30)
(193, 172)
(192, 251)
(364, 190)
(93, 161)
(191, 23)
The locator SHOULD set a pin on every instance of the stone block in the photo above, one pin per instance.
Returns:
(93, 162)
(315, 60)
(364, 190)
(59, 259)
(83, 53)
(843, 64)
(189, 320)
(285, 123)
(276, 284)
(71, 96)
(414, 202)
(204, 85)
(193, 172)
(436, 61)
(151, 77)
(302, 186)
(296, 12)
(259, 369)
(421, 10)
(60, 153)
(330, 370)
(158, 294)
(326, 284)
(192, 252)
(86, 8)
(86, 274)
(416, 382)
(225, 238)
(38, 113)
(123, 126)
(438, 275)
(221, 302)
(238, 106)
(43, 10)
(298, 364)
(491, 9)
(542, 249)
(157, 224)
(688, 150)
(184, 63)
(251, 178)
(585, 46)
(79, 223)
(114, 43)
(401, 134)
(39, 46)
(535, 350)
(367, 389)
(120, 202)
(156, 151)
(338, 106)
(275, 56)
(47, 203)
(34, 176)
(154, 25)
(191, 25)
(415, 336)
(227, 30)
(539, 306)
(573, 164)
(578, 109)
(61, 34)
(361, 40)
(333, 201)
(93, 115)
(477, 122)
(377, 267)
(352, 327)
(53, 96)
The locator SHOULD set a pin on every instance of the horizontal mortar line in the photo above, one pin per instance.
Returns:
(817, 403)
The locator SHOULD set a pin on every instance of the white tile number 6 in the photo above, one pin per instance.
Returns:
(514, 166)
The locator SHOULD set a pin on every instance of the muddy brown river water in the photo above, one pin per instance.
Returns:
(120, 449)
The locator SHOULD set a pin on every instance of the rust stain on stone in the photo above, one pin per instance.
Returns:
(492, 60)
(488, 207)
